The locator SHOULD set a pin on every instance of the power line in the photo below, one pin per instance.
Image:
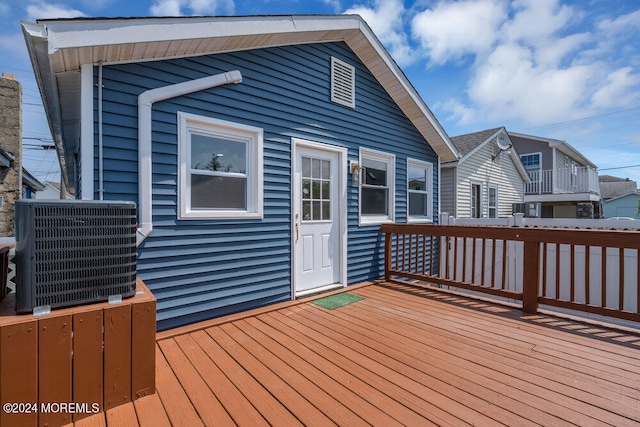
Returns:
(619, 167)
(568, 122)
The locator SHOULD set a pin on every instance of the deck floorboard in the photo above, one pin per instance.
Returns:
(403, 355)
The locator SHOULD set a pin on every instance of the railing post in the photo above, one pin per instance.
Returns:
(531, 277)
(387, 256)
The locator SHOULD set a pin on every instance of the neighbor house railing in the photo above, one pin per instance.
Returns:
(591, 271)
(563, 180)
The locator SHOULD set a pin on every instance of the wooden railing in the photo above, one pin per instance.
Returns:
(591, 271)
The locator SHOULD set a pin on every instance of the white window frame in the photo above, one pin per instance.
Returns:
(429, 190)
(489, 206)
(390, 160)
(252, 136)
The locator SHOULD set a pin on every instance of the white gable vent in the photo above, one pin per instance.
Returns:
(343, 83)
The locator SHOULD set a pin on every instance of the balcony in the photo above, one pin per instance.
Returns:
(570, 180)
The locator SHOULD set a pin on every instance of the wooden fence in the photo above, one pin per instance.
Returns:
(64, 366)
(592, 271)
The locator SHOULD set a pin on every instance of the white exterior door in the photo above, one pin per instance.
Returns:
(317, 219)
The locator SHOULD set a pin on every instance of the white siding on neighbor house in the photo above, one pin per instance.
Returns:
(479, 168)
(448, 190)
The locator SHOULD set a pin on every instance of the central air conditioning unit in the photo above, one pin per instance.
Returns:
(72, 252)
(530, 210)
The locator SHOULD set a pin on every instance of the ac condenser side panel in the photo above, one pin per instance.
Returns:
(74, 252)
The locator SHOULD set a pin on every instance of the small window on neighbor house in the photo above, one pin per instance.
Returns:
(492, 205)
(343, 83)
(377, 187)
(476, 201)
(419, 187)
(220, 169)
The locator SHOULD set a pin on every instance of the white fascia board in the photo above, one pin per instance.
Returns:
(86, 33)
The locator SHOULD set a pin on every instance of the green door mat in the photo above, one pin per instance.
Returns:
(338, 300)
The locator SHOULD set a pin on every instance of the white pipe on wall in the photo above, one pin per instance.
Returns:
(145, 104)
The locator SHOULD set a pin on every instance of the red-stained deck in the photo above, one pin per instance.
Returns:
(402, 355)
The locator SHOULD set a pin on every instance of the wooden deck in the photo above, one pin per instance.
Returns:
(402, 355)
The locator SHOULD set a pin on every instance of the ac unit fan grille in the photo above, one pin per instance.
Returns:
(81, 253)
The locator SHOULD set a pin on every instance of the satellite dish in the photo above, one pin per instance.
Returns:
(503, 142)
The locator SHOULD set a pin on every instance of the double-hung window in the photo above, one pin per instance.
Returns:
(419, 190)
(377, 187)
(220, 169)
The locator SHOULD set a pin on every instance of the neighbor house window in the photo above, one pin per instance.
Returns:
(492, 204)
(476, 201)
(377, 187)
(220, 169)
(419, 190)
(533, 165)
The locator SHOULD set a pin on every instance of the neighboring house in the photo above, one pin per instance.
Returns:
(30, 185)
(263, 152)
(625, 206)
(619, 197)
(52, 191)
(612, 186)
(563, 181)
(487, 180)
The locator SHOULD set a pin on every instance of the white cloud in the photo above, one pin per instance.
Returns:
(192, 7)
(43, 10)
(622, 23)
(457, 111)
(509, 85)
(618, 89)
(454, 29)
(536, 20)
(385, 19)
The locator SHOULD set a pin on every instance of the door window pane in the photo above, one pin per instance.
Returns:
(316, 194)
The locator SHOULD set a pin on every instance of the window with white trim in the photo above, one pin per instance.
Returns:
(419, 190)
(377, 187)
(220, 172)
(492, 203)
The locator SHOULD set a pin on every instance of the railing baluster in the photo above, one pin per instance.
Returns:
(572, 269)
(431, 250)
(493, 263)
(603, 268)
(482, 270)
(464, 259)
(404, 247)
(587, 276)
(621, 279)
(544, 269)
(557, 296)
(424, 254)
(455, 258)
(504, 264)
(473, 260)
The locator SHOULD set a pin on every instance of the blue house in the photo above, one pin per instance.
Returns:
(263, 152)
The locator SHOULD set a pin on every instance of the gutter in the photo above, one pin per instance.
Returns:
(145, 104)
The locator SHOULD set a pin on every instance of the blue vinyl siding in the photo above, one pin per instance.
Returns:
(199, 269)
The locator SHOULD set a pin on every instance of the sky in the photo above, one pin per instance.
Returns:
(563, 69)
